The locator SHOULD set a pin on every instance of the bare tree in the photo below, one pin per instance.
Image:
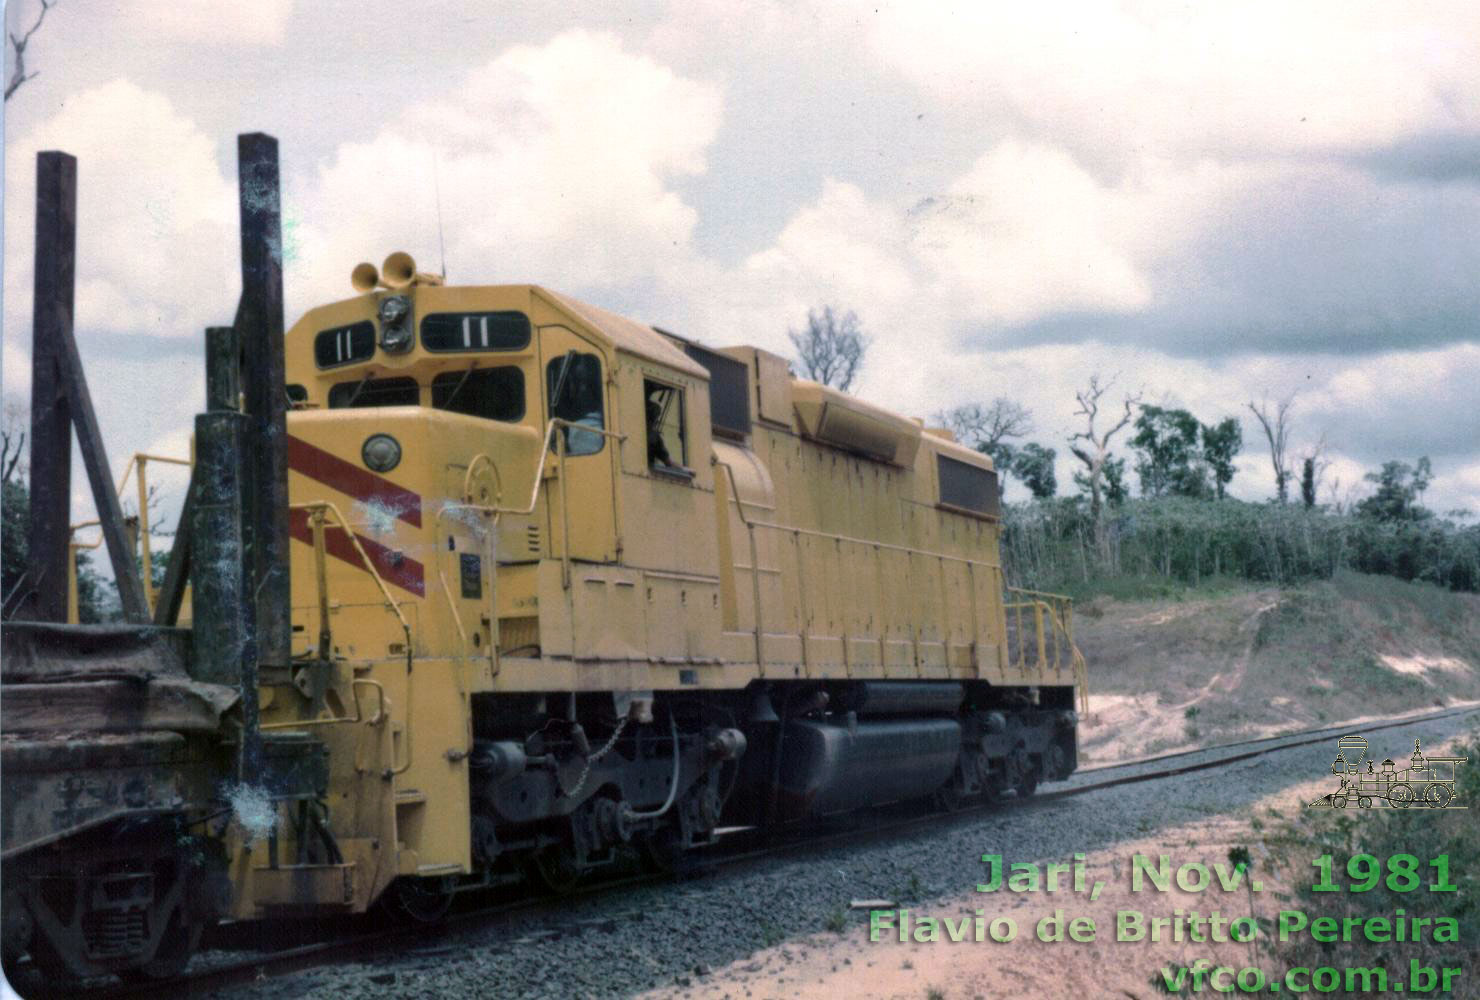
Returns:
(1094, 452)
(12, 440)
(18, 74)
(985, 427)
(832, 347)
(1276, 424)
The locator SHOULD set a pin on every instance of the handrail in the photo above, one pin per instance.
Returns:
(151, 596)
(923, 553)
(539, 477)
(317, 509)
(374, 720)
(1057, 609)
(539, 471)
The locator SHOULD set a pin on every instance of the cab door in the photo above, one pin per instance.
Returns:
(580, 486)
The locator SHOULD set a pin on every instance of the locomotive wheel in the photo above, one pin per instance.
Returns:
(1401, 796)
(663, 851)
(1438, 796)
(1338, 802)
(555, 868)
(1056, 761)
(174, 953)
(1028, 775)
(994, 786)
(420, 900)
(1365, 802)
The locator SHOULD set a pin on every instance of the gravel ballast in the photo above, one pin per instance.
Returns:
(619, 944)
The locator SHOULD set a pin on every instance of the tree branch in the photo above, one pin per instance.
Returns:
(20, 76)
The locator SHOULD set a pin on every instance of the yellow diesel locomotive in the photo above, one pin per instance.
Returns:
(563, 583)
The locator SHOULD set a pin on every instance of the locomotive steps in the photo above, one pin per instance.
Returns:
(1212, 667)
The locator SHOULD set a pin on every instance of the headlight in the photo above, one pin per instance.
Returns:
(395, 328)
(381, 452)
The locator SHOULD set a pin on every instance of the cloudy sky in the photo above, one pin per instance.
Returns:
(1215, 203)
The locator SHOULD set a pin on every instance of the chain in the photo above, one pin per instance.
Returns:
(606, 749)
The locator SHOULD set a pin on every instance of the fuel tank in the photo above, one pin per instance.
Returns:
(831, 767)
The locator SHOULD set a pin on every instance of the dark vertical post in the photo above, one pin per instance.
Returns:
(223, 394)
(100, 477)
(224, 647)
(261, 330)
(223, 368)
(51, 415)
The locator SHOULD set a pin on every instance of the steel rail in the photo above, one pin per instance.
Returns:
(286, 961)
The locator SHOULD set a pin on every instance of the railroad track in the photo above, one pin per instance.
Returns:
(1341, 727)
(379, 941)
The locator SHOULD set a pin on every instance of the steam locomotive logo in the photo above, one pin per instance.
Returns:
(1427, 782)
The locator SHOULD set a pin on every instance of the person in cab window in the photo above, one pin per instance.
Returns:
(657, 451)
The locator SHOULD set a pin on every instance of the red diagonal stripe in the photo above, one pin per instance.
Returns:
(350, 479)
(393, 567)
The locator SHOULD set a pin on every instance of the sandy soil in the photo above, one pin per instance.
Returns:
(1171, 675)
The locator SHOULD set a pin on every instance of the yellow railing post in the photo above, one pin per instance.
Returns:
(1059, 612)
(564, 512)
(142, 481)
(1038, 607)
(73, 614)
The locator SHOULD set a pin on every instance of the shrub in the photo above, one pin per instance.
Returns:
(1052, 544)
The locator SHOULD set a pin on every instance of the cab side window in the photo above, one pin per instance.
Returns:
(667, 445)
(575, 394)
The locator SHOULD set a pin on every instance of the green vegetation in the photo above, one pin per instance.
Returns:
(1180, 456)
(1153, 547)
(1422, 833)
(837, 920)
(15, 510)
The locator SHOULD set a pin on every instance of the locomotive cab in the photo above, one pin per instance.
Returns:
(421, 411)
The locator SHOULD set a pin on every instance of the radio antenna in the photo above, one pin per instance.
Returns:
(437, 189)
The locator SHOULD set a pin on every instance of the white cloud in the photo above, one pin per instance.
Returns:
(260, 22)
(554, 162)
(1231, 79)
(1022, 233)
(156, 230)
(1025, 232)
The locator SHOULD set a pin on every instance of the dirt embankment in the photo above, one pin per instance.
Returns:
(1166, 675)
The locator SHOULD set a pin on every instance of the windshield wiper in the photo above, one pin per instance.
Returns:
(358, 389)
(447, 403)
(558, 394)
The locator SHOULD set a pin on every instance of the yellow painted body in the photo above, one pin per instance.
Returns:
(784, 555)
